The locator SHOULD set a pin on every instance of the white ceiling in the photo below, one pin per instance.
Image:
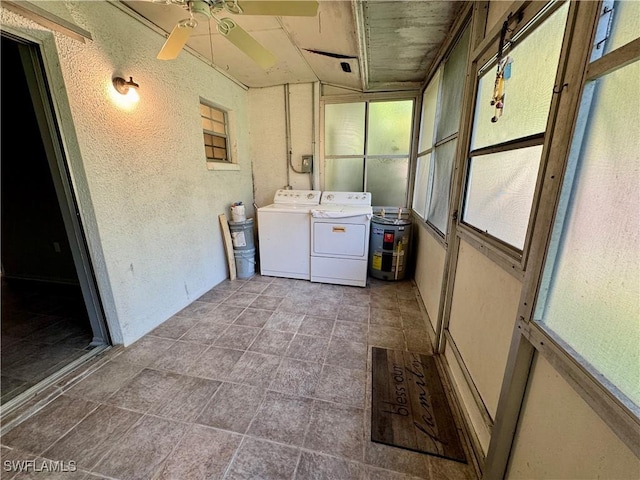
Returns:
(393, 41)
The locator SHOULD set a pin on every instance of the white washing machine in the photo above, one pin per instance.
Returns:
(340, 228)
(284, 234)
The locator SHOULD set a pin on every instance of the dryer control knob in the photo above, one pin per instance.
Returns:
(310, 196)
(329, 197)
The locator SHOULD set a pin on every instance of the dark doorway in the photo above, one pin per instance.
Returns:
(46, 324)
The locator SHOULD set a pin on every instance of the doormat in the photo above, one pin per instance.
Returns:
(409, 408)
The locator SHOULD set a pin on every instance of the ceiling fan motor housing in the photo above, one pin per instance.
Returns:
(200, 7)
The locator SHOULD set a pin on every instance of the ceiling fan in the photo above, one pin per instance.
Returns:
(211, 9)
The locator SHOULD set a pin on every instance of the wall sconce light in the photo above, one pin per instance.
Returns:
(124, 86)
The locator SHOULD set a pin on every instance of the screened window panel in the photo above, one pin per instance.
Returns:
(500, 192)
(428, 116)
(593, 301)
(344, 174)
(528, 91)
(390, 127)
(344, 128)
(625, 26)
(387, 181)
(452, 88)
(421, 185)
(442, 168)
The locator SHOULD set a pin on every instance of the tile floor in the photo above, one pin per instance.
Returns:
(266, 378)
(44, 327)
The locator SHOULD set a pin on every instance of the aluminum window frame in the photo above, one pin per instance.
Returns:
(442, 237)
(524, 20)
(529, 339)
(367, 99)
(614, 60)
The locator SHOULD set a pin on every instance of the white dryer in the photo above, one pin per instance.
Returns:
(284, 234)
(340, 228)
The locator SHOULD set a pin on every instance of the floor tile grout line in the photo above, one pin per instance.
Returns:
(39, 454)
(194, 420)
(222, 381)
(109, 450)
(281, 357)
(255, 414)
(295, 470)
(162, 463)
(136, 423)
(227, 470)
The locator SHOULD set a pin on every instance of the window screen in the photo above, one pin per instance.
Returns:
(367, 146)
(624, 28)
(389, 128)
(421, 182)
(501, 180)
(344, 128)
(590, 297)
(527, 91)
(343, 174)
(441, 109)
(442, 169)
(428, 116)
(453, 88)
(500, 193)
(387, 180)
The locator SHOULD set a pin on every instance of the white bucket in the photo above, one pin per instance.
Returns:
(245, 262)
(242, 234)
(237, 213)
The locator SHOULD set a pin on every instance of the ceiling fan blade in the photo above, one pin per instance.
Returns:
(245, 42)
(177, 39)
(280, 8)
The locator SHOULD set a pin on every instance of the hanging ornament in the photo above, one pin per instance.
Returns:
(503, 72)
(497, 100)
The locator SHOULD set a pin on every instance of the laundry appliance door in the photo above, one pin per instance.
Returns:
(338, 238)
(285, 243)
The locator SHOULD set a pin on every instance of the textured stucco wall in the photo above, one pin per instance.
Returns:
(149, 205)
(268, 137)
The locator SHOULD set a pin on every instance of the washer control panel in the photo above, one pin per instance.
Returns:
(297, 197)
(346, 198)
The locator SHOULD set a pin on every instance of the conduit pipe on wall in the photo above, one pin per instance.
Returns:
(287, 118)
(287, 113)
(313, 130)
